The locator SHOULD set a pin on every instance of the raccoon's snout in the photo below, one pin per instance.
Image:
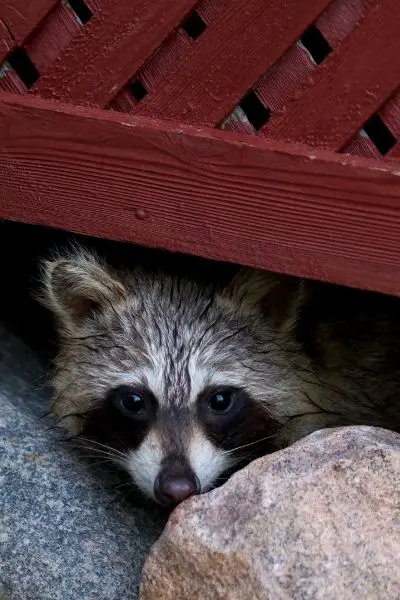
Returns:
(173, 487)
(176, 480)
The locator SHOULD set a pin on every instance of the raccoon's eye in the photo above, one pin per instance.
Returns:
(221, 401)
(219, 407)
(131, 402)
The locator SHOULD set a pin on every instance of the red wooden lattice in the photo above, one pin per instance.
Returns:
(295, 87)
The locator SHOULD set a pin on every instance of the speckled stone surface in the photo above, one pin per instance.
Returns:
(319, 520)
(64, 534)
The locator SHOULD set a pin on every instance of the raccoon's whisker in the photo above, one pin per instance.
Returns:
(268, 437)
(110, 448)
(128, 484)
(97, 462)
(99, 452)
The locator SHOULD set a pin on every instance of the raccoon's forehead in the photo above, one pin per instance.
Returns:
(175, 319)
(178, 359)
(173, 339)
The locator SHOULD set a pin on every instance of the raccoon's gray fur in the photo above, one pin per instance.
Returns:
(183, 383)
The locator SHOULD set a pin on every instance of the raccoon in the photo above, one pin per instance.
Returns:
(181, 383)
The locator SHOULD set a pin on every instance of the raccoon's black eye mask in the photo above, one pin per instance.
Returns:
(229, 416)
(124, 418)
(137, 404)
(233, 419)
(219, 405)
(133, 409)
(221, 408)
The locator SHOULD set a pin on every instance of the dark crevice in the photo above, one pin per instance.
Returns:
(380, 134)
(138, 90)
(81, 10)
(194, 25)
(24, 67)
(316, 44)
(255, 111)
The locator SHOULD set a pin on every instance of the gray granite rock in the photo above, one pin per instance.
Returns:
(64, 533)
(319, 520)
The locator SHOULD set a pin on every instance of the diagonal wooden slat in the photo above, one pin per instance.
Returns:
(349, 87)
(111, 47)
(227, 60)
(6, 41)
(390, 113)
(22, 16)
(243, 198)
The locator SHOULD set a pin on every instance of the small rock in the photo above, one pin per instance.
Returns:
(319, 520)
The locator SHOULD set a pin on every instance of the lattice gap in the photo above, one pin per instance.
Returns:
(256, 113)
(313, 41)
(138, 90)
(26, 64)
(194, 25)
(289, 78)
(170, 54)
(292, 74)
(255, 104)
(81, 10)
(379, 134)
(23, 67)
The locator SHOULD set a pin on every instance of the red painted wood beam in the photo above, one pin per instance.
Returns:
(111, 47)
(21, 17)
(212, 193)
(6, 41)
(245, 40)
(349, 86)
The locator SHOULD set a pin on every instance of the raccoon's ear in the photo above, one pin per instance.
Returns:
(76, 285)
(248, 290)
(257, 292)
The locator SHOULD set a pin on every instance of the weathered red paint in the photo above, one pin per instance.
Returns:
(390, 113)
(296, 69)
(349, 86)
(111, 47)
(340, 19)
(360, 145)
(228, 59)
(202, 191)
(52, 37)
(22, 16)
(6, 41)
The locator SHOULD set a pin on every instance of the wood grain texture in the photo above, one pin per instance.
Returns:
(21, 17)
(244, 41)
(111, 47)
(6, 41)
(390, 114)
(349, 86)
(220, 195)
(55, 33)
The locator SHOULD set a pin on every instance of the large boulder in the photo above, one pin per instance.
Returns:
(319, 520)
(64, 533)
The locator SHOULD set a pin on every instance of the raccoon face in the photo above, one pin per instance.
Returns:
(178, 381)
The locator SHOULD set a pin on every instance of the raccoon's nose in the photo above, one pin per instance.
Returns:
(172, 489)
